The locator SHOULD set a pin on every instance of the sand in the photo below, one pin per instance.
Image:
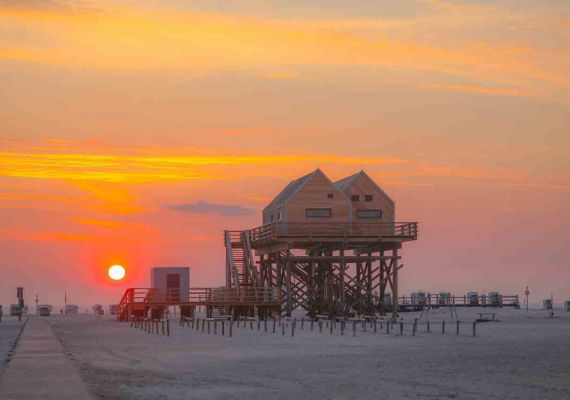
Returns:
(9, 329)
(524, 356)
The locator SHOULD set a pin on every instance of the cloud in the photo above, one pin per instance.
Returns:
(195, 165)
(122, 37)
(493, 91)
(203, 207)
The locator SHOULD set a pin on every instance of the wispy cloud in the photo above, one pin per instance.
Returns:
(139, 168)
(203, 207)
(493, 91)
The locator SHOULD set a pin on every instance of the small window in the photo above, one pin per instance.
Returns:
(355, 197)
(318, 212)
(369, 213)
(330, 196)
(368, 197)
(279, 216)
(272, 217)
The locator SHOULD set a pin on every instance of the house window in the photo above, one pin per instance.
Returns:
(318, 212)
(369, 213)
(330, 196)
(368, 197)
(272, 217)
(279, 216)
(355, 197)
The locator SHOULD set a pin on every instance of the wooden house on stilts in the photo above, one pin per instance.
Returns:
(331, 248)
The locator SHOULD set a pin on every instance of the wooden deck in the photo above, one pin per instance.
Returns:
(302, 234)
(142, 299)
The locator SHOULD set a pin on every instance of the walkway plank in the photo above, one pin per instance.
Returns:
(39, 368)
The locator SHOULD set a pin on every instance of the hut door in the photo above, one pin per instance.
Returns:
(173, 287)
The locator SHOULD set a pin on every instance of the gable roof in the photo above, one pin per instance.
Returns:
(345, 183)
(292, 188)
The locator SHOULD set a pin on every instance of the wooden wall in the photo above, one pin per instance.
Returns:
(363, 186)
(314, 195)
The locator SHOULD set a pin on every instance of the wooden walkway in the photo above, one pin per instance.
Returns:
(40, 369)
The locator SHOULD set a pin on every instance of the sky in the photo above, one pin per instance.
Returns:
(135, 132)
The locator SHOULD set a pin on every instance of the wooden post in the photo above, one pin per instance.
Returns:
(375, 329)
(415, 326)
(387, 327)
(457, 327)
(231, 326)
(274, 324)
(341, 328)
(223, 327)
(331, 327)
(203, 325)
(320, 326)
(443, 326)
(474, 328)
(208, 327)
(167, 327)
(302, 323)
(428, 326)
(258, 324)
(401, 328)
(312, 321)
(215, 327)
(283, 329)
(353, 328)
(162, 323)
(293, 329)
(265, 324)
(394, 284)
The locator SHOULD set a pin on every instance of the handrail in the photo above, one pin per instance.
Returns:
(271, 231)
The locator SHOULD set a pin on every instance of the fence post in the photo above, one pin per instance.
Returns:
(302, 323)
(375, 329)
(293, 329)
(215, 327)
(401, 328)
(353, 328)
(223, 327)
(208, 327)
(274, 324)
(331, 327)
(428, 326)
(341, 328)
(414, 327)
(474, 328)
(387, 327)
(265, 324)
(167, 327)
(283, 329)
(320, 326)
(312, 321)
(443, 326)
(231, 326)
(457, 327)
(162, 321)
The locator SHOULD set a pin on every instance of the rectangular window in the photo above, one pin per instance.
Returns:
(330, 196)
(318, 212)
(279, 216)
(272, 217)
(369, 213)
(368, 197)
(355, 197)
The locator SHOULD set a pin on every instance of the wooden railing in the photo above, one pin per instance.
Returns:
(466, 300)
(275, 230)
(202, 296)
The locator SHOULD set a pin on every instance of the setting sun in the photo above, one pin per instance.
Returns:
(117, 272)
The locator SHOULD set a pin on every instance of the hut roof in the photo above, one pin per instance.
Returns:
(292, 188)
(344, 183)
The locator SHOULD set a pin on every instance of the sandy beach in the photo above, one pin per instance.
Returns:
(526, 355)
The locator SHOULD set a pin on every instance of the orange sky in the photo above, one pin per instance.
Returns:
(112, 114)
